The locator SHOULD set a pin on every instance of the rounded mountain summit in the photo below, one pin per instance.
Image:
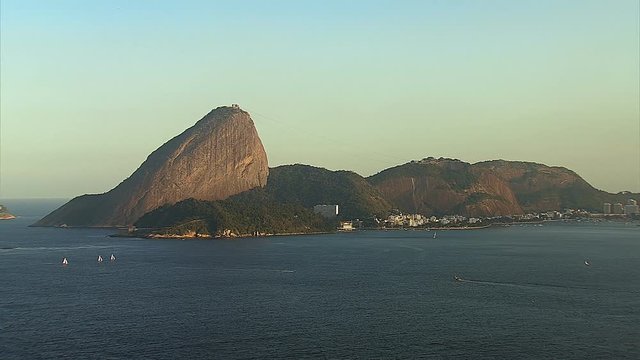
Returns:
(220, 156)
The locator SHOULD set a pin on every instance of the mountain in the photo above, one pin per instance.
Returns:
(499, 187)
(220, 156)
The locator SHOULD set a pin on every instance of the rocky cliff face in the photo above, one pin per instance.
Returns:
(221, 155)
(490, 195)
(447, 186)
(540, 187)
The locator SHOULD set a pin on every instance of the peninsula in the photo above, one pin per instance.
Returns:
(213, 180)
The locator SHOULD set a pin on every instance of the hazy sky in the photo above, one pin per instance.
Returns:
(90, 88)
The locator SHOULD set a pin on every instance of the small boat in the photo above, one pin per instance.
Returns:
(457, 278)
(434, 234)
(65, 262)
(112, 258)
(587, 263)
(99, 258)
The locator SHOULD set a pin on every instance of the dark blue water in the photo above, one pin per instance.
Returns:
(370, 294)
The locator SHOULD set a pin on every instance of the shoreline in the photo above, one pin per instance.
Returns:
(244, 236)
(433, 228)
(215, 237)
(264, 235)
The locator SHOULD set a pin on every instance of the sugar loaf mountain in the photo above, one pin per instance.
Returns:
(220, 156)
(214, 179)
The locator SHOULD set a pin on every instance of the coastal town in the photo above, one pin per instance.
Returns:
(399, 220)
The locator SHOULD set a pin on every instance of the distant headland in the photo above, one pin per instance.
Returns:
(5, 214)
(213, 180)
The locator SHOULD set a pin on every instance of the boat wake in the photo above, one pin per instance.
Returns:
(411, 248)
(518, 285)
(62, 248)
(269, 270)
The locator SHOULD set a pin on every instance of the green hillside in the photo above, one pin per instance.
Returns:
(284, 205)
(250, 213)
(308, 186)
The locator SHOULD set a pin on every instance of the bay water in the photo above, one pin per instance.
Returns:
(526, 293)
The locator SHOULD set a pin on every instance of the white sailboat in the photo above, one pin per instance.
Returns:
(112, 258)
(434, 234)
(99, 258)
(64, 261)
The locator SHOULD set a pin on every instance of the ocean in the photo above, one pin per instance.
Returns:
(526, 294)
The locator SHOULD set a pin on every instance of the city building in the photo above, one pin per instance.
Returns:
(328, 211)
(631, 208)
(617, 209)
(346, 226)
(416, 220)
(410, 220)
(606, 208)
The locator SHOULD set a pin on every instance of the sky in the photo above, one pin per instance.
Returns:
(88, 89)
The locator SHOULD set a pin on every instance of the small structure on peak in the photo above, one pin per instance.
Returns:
(235, 106)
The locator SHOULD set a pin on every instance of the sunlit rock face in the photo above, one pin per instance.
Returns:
(220, 156)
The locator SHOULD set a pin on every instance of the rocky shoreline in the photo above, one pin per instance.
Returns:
(230, 235)
(7, 216)
(210, 237)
